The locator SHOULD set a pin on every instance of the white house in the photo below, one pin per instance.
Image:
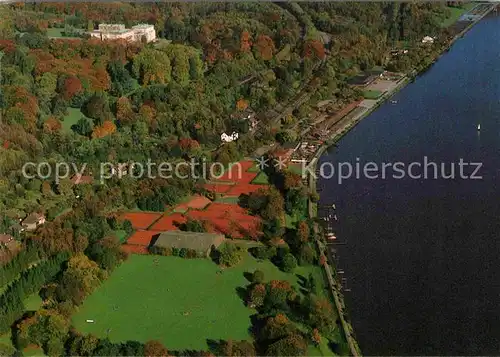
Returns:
(427, 39)
(228, 138)
(118, 31)
(32, 221)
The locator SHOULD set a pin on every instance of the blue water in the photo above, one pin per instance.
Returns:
(422, 255)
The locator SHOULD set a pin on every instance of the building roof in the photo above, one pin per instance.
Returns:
(32, 218)
(189, 240)
(5, 238)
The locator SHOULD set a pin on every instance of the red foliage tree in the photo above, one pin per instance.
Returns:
(265, 47)
(72, 86)
(245, 42)
(314, 49)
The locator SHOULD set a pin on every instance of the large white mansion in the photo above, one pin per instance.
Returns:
(118, 31)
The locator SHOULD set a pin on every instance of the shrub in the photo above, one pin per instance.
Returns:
(288, 263)
(229, 255)
(258, 277)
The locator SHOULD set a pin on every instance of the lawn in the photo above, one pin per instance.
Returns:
(74, 114)
(372, 94)
(228, 199)
(455, 13)
(121, 235)
(261, 179)
(177, 301)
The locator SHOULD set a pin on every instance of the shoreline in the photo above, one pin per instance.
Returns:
(330, 269)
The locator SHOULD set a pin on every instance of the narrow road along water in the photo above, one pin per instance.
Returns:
(421, 257)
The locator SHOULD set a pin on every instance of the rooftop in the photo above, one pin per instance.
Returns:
(33, 218)
(5, 238)
(189, 240)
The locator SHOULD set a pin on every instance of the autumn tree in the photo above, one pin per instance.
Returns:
(79, 280)
(107, 128)
(52, 125)
(124, 112)
(155, 349)
(264, 47)
(256, 295)
(241, 104)
(245, 41)
(152, 66)
(47, 328)
(321, 314)
(71, 86)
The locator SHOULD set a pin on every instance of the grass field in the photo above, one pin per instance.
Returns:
(177, 301)
(261, 179)
(455, 14)
(121, 235)
(74, 114)
(372, 94)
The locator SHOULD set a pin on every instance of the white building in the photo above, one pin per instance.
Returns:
(427, 39)
(118, 32)
(228, 138)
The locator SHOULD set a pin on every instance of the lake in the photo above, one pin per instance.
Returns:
(422, 255)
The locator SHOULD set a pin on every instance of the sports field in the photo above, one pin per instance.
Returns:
(181, 302)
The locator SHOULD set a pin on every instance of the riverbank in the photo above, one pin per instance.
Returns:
(341, 128)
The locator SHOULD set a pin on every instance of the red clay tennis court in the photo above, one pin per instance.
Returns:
(218, 187)
(141, 220)
(135, 249)
(196, 202)
(142, 237)
(168, 223)
(244, 189)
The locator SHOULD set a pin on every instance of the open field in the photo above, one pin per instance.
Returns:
(177, 301)
(372, 94)
(455, 14)
(261, 179)
(74, 114)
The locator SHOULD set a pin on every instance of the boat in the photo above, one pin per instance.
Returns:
(394, 101)
(478, 127)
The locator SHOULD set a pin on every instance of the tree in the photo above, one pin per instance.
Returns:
(152, 66)
(46, 328)
(71, 87)
(229, 255)
(52, 125)
(277, 327)
(288, 263)
(264, 47)
(256, 295)
(124, 112)
(292, 345)
(321, 314)
(155, 349)
(79, 280)
(303, 231)
(97, 107)
(83, 126)
(241, 104)
(107, 128)
(258, 277)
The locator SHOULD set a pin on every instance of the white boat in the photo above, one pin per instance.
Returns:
(394, 101)
(478, 127)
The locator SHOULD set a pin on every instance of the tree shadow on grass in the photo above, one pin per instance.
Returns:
(303, 284)
(248, 276)
(242, 293)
